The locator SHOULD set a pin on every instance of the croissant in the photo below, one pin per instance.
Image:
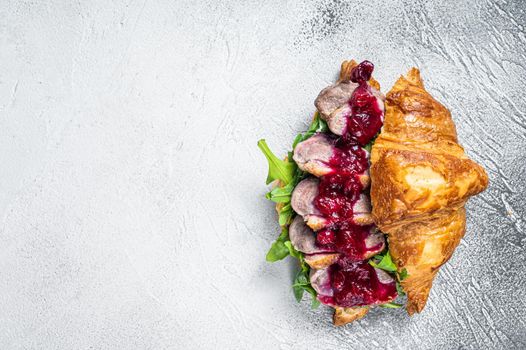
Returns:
(361, 223)
(420, 181)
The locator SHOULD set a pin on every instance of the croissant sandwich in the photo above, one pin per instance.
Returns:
(371, 197)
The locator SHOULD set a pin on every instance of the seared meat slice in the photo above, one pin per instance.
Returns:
(321, 261)
(313, 155)
(362, 211)
(321, 282)
(302, 199)
(332, 103)
(302, 202)
(375, 243)
(356, 283)
(384, 277)
(357, 242)
(303, 238)
(353, 284)
(337, 120)
(333, 97)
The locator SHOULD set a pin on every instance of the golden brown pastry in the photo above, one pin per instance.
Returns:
(342, 316)
(421, 180)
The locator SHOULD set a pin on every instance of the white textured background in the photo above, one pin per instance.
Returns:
(131, 188)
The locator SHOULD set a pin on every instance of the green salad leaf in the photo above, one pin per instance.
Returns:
(278, 250)
(317, 125)
(391, 305)
(289, 175)
(384, 262)
(302, 283)
(293, 252)
(370, 144)
(281, 194)
(285, 215)
(399, 289)
(282, 170)
(402, 275)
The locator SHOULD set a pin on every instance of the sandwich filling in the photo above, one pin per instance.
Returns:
(334, 231)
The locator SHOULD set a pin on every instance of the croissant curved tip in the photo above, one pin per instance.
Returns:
(346, 68)
(412, 77)
(342, 316)
(415, 306)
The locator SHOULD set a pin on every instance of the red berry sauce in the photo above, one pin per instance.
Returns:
(366, 116)
(354, 281)
(357, 284)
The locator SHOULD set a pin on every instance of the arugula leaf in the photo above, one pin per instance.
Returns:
(315, 303)
(279, 250)
(391, 305)
(298, 176)
(302, 281)
(298, 292)
(285, 215)
(281, 194)
(403, 274)
(297, 140)
(278, 169)
(399, 289)
(383, 262)
(301, 285)
(292, 251)
(370, 144)
(289, 175)
(317, 125)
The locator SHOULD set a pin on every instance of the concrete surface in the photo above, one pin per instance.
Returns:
(132, 213)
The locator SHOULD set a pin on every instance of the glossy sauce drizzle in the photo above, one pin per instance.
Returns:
(354, 281)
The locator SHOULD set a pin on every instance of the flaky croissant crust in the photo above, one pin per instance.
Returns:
(418, 168)
(421, 179)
